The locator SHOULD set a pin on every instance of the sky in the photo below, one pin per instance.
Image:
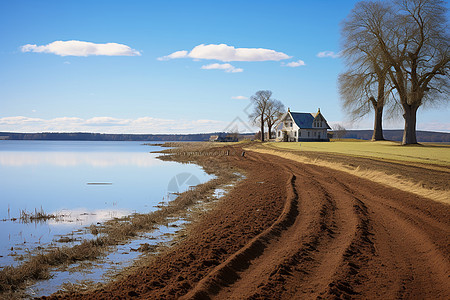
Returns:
(171, 66)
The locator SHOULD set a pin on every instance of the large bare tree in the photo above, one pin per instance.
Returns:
(365, 85)
(260, 101)
(363, 91)
(274, 111)
(411, 37)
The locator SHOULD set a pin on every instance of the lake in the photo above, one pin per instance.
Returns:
(81, 182)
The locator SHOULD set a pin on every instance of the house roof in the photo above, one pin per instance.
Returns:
(305, 120)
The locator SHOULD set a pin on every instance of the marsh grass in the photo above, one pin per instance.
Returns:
(37, 266)
(37, 216)
(119, 230)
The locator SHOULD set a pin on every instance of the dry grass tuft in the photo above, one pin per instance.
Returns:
(36, 216)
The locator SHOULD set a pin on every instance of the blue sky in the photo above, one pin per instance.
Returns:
(57, 74)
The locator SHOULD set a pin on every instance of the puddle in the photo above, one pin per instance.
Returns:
(101, 270)
(68, 228)
(121, 256)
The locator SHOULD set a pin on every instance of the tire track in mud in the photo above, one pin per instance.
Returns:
(227, 272)
(343, 230)
(411, 258)
(351, 238)
(309, 252)
(400, 247)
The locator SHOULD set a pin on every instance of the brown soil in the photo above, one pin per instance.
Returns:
(292, 230)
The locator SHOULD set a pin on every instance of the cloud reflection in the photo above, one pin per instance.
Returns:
(66, 159)
(83, 217)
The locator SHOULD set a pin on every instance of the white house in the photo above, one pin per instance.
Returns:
(298, 127)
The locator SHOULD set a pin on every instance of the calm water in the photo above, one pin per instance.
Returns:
(55, 175)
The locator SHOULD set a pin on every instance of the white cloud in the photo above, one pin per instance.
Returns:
(80, 48)
(106, 121)
(294, 64)
(147, 125)
(177, 54)
(239, 97)
(227, 67)
(227, 53)
(328, 54)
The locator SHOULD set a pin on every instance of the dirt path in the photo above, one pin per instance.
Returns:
(300, 231)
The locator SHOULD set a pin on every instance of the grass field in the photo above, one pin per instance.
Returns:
(385, 150)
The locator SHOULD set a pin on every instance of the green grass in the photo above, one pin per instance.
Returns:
(426, 153)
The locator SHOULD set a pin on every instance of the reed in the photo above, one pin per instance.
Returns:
(39, 215)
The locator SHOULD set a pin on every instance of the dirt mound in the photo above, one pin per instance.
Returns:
(300, 231)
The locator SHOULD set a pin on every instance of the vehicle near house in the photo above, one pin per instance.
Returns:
(231, 137)
(213, 138)
(302, 127)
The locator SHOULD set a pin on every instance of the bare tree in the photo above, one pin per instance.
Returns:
(261, 101)
(339, 131)
(274, 111)
(412, 38)
(365, 85)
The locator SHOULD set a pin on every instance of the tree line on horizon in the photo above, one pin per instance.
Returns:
(87, 136)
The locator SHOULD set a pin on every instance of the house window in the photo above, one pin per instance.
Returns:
(279, 133)
(299, 133)
(291, 124)
(295, 133)
(308, 133)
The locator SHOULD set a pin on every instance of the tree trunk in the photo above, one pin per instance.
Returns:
(378, 125)
(269, 131)
(262, 129)
(409, 133)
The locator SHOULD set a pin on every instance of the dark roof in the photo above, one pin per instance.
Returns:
(303, 120)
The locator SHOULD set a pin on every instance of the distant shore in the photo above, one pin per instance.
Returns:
(389, 134)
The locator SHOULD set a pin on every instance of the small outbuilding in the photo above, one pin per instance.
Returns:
(302, 127)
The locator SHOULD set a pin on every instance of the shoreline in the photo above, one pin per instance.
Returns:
(334, 210)
(336, 239)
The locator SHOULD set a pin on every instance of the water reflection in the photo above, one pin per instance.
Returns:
(85, 217)
(71, 159)
(55, 176)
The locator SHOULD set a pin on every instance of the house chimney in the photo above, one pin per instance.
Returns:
(289, 110)
(318, 111)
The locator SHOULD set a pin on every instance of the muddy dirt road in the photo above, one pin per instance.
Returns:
(296, 231)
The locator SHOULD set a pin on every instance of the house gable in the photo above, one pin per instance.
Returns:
(296, 126)
(319, 121)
